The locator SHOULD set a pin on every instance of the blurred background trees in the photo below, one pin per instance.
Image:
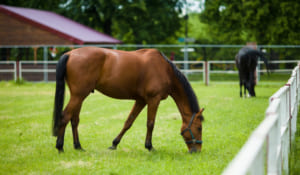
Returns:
(162, 21)
(265, 22)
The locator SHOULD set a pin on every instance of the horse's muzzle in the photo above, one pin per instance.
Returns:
(194, 150)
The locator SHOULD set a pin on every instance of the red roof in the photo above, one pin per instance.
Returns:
(59, 25)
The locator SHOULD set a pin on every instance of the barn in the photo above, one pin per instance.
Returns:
(25, 26)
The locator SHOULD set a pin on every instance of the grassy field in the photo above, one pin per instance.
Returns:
(27, 146)
(295, 151)
(234, 77)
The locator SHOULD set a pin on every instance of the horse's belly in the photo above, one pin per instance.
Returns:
(117, 92)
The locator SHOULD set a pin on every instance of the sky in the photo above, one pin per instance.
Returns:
(194, 6)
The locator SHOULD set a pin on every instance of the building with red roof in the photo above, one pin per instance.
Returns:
(25, 26)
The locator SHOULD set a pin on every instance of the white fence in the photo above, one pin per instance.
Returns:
(7, 67)
(205, 67)
(267, 149)
(39, 70)
(45, 70)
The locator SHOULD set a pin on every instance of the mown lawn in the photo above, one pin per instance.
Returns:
(295, 151)
(27, 146)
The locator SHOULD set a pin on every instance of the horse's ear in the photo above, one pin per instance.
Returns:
(200, 114)
(201, 110)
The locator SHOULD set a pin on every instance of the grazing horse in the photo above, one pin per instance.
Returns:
(246, 62)
(145, 76)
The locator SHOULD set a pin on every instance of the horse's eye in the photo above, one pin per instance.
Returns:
(199, 129)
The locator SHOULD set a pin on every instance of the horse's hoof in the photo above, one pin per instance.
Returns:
(151, 149)
(113, 147)
(80, 149)
(60, 151)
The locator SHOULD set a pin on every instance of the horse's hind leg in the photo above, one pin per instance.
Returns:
(137, 108)
(71, 112)
(74, 123)
(241, 85)
(245, 84)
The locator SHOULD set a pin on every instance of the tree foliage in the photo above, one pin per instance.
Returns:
(36, 4)
(266, 22)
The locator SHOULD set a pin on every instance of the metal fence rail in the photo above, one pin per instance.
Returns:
(267, 149)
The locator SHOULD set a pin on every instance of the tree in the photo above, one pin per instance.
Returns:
(266, 22)
(36, 4)
(95, 14)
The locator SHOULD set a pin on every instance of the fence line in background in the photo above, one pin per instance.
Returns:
(37, 67)
(205, 67)
(9, 69)
(267, 149)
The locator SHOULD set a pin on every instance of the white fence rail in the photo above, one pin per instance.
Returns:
(8, 67)
(267, 149)
(37, 67)
(206, 68)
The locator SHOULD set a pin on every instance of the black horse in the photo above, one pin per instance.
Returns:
(246, 62)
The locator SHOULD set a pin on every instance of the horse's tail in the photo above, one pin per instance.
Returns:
(59, 93)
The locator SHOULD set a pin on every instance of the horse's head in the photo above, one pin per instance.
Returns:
(192, 132)
(251, 90)
(250, 87)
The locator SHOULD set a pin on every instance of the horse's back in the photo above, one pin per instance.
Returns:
(246, 59)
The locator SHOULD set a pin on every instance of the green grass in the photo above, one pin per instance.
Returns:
(295, 151)
(234, 77)
(27, 146)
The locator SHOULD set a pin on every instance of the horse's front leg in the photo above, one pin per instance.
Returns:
(137, 108)
(152, 110)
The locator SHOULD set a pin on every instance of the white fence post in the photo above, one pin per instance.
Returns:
(207, 69)
(20, 70)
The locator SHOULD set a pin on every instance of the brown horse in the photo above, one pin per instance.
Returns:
(145, 76)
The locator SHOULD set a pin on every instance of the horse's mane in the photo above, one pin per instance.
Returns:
(186, 86)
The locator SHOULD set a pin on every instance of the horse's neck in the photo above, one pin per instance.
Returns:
(182, 102)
